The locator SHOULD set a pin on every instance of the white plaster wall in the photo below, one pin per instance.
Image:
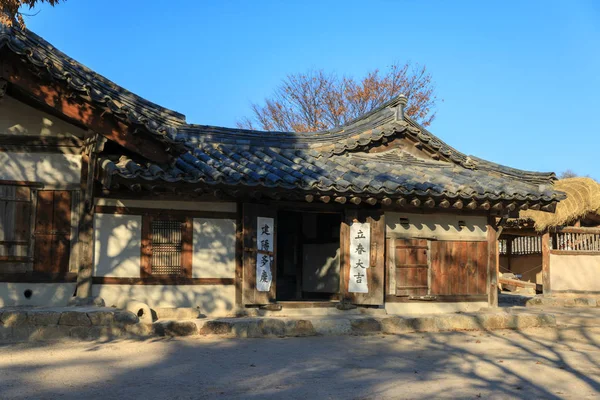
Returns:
(170, 205)
(55, 169)
(436, 226)
(433, 308)
(214, 248)
(44, 294)
(212, 300)
(575, 272)
(20, 119)
(117, 245)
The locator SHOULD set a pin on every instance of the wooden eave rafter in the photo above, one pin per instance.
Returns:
(119, 186)
(76, 110)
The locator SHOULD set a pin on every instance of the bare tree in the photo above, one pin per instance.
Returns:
(318, 100)
(10, 13)
(569, 173)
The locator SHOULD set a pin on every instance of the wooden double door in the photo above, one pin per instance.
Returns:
(52, 232)
(254, 291)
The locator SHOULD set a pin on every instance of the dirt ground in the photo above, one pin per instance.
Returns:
(537, 363)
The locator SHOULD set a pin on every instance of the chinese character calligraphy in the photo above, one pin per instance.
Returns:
(360, 245)
(264, 253)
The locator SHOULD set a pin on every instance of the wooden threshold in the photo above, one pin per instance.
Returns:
(437, 299)
(308, 304)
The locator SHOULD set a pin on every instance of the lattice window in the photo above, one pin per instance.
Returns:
(167, 245)
(15, 226)
(575, 241)
(521, 245)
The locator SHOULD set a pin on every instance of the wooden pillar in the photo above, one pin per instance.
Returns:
(546, 264)
(93, 144)
(509, 242)
(493, 262)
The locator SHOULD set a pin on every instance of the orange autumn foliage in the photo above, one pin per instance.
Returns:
(10, 14)
(317, 100)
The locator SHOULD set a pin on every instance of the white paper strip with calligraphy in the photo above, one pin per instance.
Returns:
(264, 277)
(360, 257)
(264, 254)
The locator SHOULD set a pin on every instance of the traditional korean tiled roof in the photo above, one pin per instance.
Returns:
(338, 161)
(45, 58)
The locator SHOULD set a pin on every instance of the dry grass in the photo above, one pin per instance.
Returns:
(583, 197)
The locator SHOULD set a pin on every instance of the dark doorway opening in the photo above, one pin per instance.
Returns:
(308, 256)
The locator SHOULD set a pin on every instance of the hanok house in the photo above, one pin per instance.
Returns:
(107, 194)
(559, 251)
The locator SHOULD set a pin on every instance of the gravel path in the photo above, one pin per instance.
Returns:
(537, 363)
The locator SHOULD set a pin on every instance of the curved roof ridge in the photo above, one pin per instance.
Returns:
(41, 53)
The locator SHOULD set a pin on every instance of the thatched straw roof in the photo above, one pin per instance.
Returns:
(583, 197)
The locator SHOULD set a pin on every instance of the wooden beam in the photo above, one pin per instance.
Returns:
(355, 200)
(325, 199)
(524, 206)
(546, 263)
(386, 201)
(472, 205)
(66, 103)
(371, 200)
(458, 204)
(401, 202)
(340, 199)
(497, 207)
(444, 203)
(430, 203)
(415, 202)
(309, 198)
(485, 205)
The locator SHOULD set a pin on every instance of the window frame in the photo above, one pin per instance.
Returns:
(186, 247)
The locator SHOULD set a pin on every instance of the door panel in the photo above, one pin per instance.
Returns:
(250, 293)
(52, 232)
(412, 267)
(458, 267)
(375, 272)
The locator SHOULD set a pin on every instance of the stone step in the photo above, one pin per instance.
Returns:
(541, 301)
(256, 327)
(177, 313)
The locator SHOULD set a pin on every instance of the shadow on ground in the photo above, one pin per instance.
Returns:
(537, 363)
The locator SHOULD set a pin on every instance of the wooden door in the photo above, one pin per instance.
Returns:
(375, 272)
(255, 251)
(411, 267)
(459, 268)
(52, 232)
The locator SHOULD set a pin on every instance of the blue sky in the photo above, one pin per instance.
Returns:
(520, 80)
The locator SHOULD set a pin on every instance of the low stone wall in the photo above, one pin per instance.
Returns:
(86, 323)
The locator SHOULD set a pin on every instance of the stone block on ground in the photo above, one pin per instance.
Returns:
(299, 327)
(43, 317)
(216, 327)
(365, 325)
(458, 322)
(101, 317)
(267, 327)
(585, 302)
(125, 317)
(50, 332)
(14, 318)
(175, 328)
(74, 318)
(332, 326)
